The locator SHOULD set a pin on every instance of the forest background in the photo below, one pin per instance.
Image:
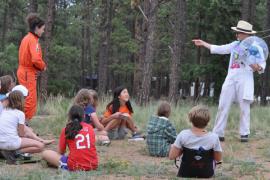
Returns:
(145, 45)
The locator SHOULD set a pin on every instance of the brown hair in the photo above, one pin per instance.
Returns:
(34, 21)
(6, 82)
(16, 100)
(199, 116)
(94, 95)
(83, 98)
(164, 109)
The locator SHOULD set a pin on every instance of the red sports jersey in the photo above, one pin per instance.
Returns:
(82, 150)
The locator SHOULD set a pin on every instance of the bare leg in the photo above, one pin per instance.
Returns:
(30, 134)
(130, 125)
(51, 157)
(112, 124)
(31, 146)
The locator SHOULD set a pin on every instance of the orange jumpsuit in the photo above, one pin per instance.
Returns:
(30, 62)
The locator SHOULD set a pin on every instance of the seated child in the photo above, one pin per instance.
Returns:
(160, 132)
(79, 137)
(118, 116)
(29, 133)
(85, 99)
(200, 149)
(7, 83)
(12, 128)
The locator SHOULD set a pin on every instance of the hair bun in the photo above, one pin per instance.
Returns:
(31, 17)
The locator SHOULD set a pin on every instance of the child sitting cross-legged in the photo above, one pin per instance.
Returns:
(160, 132)
(79, 137)
(200, 149)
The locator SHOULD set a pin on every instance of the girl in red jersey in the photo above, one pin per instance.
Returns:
(80, 138)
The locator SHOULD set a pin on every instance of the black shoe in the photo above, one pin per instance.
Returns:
(244, 138)
(221, 139)
(10, 156)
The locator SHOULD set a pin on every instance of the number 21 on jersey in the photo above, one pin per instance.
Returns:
(82, 141)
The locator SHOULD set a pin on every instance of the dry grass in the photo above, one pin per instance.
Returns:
(130, 160)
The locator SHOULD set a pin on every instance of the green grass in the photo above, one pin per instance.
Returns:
(238, 160)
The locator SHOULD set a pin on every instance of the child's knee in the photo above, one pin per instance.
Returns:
(40, 146)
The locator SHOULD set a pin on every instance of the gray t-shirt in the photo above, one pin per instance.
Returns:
(189, 140)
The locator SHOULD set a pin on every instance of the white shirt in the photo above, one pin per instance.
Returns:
(9, 122)
(231, 48)
(187, 139)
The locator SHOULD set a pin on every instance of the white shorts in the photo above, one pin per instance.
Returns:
(12, 144)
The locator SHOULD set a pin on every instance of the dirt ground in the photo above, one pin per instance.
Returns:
(240, 161)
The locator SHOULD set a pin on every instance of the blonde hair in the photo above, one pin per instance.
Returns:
(199, 116)
(94, 95)
(83, 98)
(164, 109)
(16, 100)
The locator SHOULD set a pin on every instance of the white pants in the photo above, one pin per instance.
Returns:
(233, 89)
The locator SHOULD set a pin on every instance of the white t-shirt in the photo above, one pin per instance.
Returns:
(187, 139)
(1, 107)
(9, 122)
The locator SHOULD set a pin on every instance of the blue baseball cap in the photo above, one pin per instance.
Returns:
(3, 97)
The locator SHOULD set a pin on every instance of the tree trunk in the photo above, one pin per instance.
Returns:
(266, 76)
(48, 37)
(248, 9)
(5, 25)
(199, 61)
(105, 38)
(86, 66)
(150, 9)
(138, 57)
(33, 6)
(177, 50)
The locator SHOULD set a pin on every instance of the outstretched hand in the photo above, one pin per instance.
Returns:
(198, 42)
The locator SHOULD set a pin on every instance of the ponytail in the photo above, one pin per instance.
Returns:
(74, 124)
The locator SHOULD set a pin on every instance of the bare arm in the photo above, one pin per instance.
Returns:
(199, 42)
(96, 122)
(174, 152)
(217, 156)
(21, 131)
(111, 117)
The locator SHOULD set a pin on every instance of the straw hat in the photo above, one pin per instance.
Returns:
(244, 27)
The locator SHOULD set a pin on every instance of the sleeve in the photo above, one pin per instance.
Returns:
(62, 141)
(108, 112)
(89, 110)
(217, 146)
(222, 49)
(1, 107)
(170, 132)
(263, 65)
(36, 55)
(178, 142)
(21, 117)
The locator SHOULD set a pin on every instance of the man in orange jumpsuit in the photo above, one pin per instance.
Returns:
(30, 63)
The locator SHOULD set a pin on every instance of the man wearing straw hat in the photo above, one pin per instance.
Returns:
(238, 85)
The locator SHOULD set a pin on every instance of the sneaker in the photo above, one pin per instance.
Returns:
(137, 135)
(105, 143)
(221, 139)
(10, 156)
(244, 138)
